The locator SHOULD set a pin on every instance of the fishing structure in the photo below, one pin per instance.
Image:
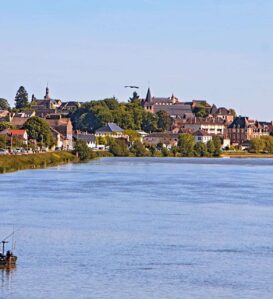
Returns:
(7, 259)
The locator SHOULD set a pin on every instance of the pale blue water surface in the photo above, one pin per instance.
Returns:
(141, 228)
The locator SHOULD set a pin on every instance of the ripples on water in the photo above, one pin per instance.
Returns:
(141, 228)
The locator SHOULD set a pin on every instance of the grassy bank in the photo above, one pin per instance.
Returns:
(12, 163)
(245, 155)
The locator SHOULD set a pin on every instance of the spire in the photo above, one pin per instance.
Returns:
(47, 92)
(148, 96)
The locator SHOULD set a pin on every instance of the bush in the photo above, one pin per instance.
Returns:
(82, 150)
(119, 148)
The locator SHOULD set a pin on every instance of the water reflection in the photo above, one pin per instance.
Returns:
(7, 276)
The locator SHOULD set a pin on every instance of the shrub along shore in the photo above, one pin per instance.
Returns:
(11, 163)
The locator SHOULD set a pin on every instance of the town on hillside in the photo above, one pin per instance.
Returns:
(157, 123)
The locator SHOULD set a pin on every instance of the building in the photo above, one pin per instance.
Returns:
(45, 106)
(64, 127)
(243, 128)
(223, 113)
(168, 139)
(211, 126)
(89, 139)
(68, 107)
(20, 134)
(110, 129)
(202, 136)
(171, 105)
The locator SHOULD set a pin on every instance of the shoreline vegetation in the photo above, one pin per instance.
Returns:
(13, 163)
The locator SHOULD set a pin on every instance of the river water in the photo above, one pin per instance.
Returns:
(141, 228)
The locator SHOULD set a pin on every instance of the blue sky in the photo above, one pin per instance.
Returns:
(218, 50)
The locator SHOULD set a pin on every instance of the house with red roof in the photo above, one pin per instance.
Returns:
(20, 134)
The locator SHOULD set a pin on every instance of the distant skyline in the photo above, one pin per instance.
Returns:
(215, 50)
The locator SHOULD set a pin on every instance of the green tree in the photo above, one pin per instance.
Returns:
(164, 120)
(138, 149)
(149, 122)
(133, 135)
(119, 148)
(21, 98)
(210, 147)
(39, 129)
(186, 144)
(200, 149)
(174, 151)
(3, 141)
(201, 112)
(82, 150)
(257, 144)
(5, 125)
(217, 145)
(268, 144)
(135, 98)
(165, 152)
(152, 150)
(4, 104)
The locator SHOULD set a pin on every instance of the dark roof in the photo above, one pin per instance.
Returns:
(110, 127)
(176, 109)
(85, 137)
(239, 122)
(213, 110)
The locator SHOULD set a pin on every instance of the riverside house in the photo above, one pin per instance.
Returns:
(62, 125)
(89, 139)
(111, 130)
(168, 139)
(202, 136)
(20, 134)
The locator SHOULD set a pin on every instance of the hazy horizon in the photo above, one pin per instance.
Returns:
(87, 50)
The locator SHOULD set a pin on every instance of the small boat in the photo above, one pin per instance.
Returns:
(8, 259)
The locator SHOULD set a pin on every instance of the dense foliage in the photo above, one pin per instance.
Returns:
(4, 104)
(82, 150)
(38, 129)
(5, 125)
(263, 144)
(119, 148)
(129, 116)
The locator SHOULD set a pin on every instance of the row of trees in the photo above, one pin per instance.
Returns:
(131, 115)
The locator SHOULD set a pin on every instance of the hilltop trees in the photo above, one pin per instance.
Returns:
(21, 98)
(129, 116)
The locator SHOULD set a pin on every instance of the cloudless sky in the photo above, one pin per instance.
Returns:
(217, 50)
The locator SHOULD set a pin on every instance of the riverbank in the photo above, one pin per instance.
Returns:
(11, 163)
(245, 155)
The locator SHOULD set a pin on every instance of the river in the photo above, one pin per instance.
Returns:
(140, 228)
